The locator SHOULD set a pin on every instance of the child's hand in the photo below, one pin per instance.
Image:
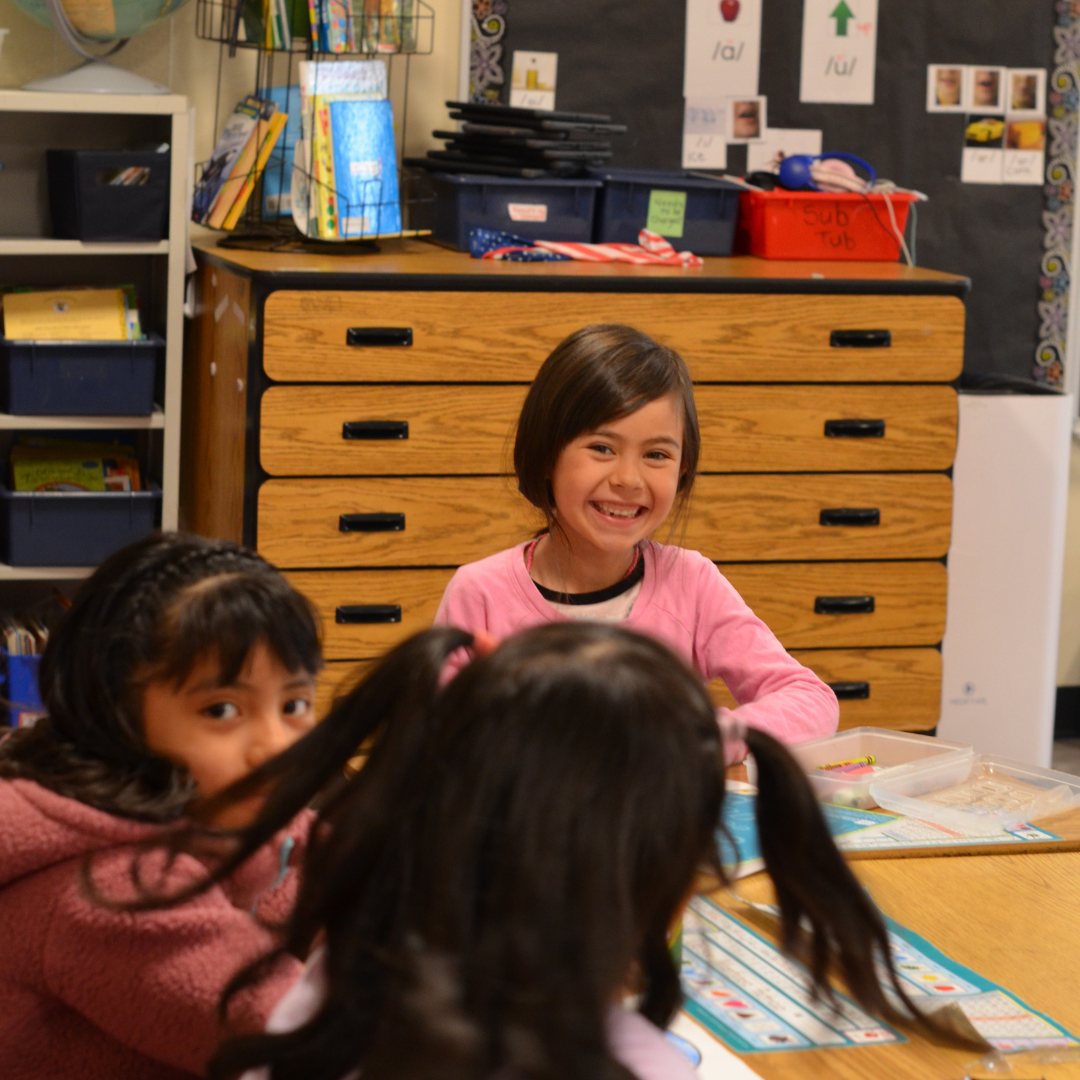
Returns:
(484, 644)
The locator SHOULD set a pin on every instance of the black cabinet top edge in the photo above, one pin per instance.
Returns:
(272, 281)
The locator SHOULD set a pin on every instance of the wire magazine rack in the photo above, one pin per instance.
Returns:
(391, 30)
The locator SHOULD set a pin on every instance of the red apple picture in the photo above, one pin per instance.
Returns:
(729, 9)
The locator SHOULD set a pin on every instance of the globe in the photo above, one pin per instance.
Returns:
(105, 20)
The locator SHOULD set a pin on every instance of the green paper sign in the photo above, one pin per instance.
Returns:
(667, 213)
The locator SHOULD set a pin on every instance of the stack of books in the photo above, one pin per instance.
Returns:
(531, 143)
(238, 160)
(345, 183)
(333, 26)
(76, 313)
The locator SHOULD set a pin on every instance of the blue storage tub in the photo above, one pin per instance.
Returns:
(708, 226)
(79, 378)
(535, 209)
(23, 698)
(73, 528)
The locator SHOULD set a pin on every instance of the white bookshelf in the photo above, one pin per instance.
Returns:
(171, 252)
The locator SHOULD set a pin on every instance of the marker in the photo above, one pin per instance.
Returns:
(851, 763)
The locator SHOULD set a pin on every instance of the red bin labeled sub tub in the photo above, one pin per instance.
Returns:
(821, 225)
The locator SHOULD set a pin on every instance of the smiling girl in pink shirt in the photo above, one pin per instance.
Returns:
(607, 447)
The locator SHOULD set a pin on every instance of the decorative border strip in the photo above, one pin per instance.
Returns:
(1063, 122)
(486, 74)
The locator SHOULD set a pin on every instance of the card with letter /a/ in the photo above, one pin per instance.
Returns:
(723, 48)
(839, 51)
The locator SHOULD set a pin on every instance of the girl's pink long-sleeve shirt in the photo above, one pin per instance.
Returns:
(686, 603)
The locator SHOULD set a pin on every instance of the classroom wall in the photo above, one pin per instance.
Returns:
(170, 53)
(1069, 651)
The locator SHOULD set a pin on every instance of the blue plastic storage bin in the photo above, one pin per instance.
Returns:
(23, 698)
(535, 209)
(72, 528)
(79, 378)
(712, 208)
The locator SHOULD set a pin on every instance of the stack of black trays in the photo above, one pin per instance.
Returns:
(499, 140)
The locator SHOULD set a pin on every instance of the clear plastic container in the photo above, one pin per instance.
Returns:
(894, 752)
(992, 793)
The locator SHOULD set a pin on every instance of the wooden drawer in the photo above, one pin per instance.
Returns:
(802, 603)
(904, 690)
(469, 429)
(734, 518)
(829, 605)
(904, 685)
(357, 607)
(504, 337)
(338, 677)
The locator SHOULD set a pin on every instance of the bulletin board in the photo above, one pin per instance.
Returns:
(625, 57)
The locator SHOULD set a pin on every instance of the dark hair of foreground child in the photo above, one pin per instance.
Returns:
(511, 858)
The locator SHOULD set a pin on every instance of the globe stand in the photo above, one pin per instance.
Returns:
(96, 76)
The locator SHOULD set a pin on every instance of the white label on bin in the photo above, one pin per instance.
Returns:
(523, 211)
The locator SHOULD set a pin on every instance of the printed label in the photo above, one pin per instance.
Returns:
(520, 211)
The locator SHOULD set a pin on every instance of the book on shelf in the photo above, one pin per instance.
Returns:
(78, 313)
(277, 176)
(364, 168)
(243, 166)
(266, 135)
(234, 137)
(46, 463)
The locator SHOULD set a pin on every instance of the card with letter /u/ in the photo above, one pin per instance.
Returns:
(723, 48)
(704, 143)
(839, 51)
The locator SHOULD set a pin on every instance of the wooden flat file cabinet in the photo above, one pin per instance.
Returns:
(353, 417)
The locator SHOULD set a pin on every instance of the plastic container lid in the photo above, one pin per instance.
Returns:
(988, 794)
(895, 753)
(486, 180)
(660, 177)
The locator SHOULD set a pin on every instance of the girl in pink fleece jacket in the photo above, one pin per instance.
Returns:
(183, 665)
(607, 445)
(507, 868)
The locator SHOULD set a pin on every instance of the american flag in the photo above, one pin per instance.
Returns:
(650, 250)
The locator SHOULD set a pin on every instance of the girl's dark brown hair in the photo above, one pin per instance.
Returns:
(151, 611)
(598, 374)
(520, 841)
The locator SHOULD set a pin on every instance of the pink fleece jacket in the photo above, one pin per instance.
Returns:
(91, 994)
(686, 603)
(636, 1044)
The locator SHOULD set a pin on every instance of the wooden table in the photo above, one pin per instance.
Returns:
(1014, 919)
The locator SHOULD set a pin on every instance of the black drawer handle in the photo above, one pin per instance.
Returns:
(375, 429)
(851, 515)
(843, 605)
(372, 336)
(850, 691)
(355, 614)
(371, 523)
(855, 429)
(860, 339)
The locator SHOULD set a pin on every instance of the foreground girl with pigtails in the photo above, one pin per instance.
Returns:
(488, 894)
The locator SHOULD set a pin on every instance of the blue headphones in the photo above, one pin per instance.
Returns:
(795, 170)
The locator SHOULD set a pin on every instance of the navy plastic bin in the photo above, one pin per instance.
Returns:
(84, 205)
(22, 693)
(79, 378)
(712, 208)
(535, 209)
(72, 528)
